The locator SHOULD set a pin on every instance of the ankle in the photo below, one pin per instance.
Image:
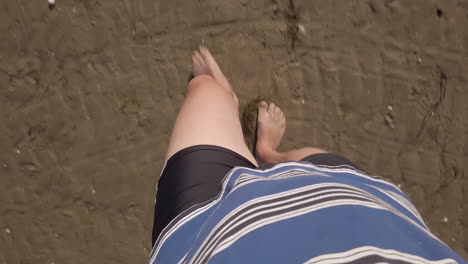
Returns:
(268, 154)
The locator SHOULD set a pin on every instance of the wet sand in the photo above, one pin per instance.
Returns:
(90, 89)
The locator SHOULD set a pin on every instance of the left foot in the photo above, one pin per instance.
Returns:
(203, 63)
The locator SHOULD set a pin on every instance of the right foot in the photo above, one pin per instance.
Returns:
(271, 127)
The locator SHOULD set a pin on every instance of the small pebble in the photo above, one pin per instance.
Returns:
(302, 29)
(390, 108)
(8, 231)
(453, 239)
(51, 4)
(18, 151)
(399, 186)
(419, 60)
(445, 220)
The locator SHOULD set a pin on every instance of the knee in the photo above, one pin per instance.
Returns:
(200, 82)
(206, 84)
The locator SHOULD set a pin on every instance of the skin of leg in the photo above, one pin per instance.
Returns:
(209, 116)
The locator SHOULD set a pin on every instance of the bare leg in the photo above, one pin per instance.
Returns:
(209, 114)
(271, 127)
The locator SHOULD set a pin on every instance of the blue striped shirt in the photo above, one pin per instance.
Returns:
(297, 212)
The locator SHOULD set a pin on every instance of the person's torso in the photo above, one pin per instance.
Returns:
(299, 213)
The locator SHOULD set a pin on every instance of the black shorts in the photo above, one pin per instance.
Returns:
(194, 175)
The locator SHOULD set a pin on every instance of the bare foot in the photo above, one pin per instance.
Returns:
(271, 126)
(204, 63)
(198, 64)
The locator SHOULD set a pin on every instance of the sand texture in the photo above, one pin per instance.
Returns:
(90, 89)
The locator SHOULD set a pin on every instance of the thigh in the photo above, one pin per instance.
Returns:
(192, 176)
(209, 115)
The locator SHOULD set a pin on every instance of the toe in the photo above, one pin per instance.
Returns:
(262, 110)
(206, 54)
(210, 60)
(277, 110)
(271, 108)
(197, 65)
(204, 50)
(193, 59)
(199, 58)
